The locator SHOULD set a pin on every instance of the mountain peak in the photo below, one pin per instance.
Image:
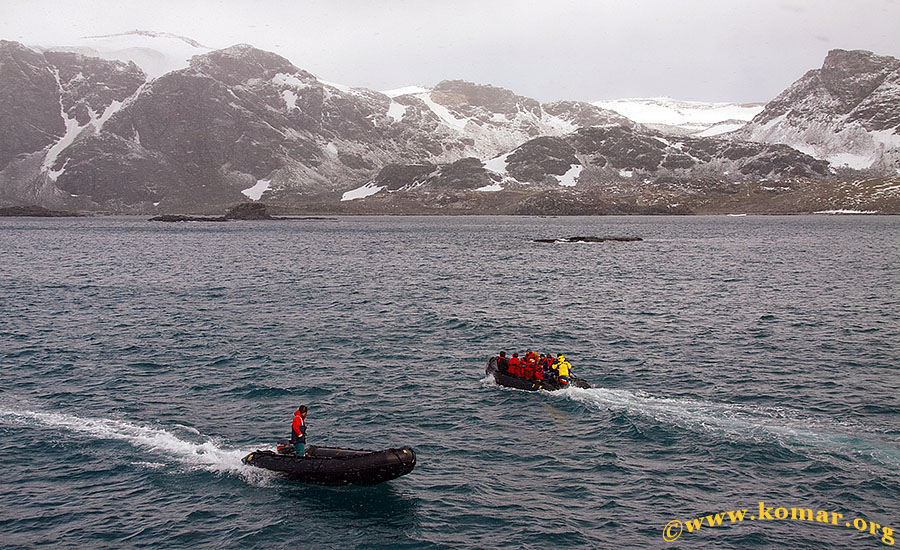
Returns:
(240, 63)
(497, 100)
(851, 75)
(863, 59)
(847, 112)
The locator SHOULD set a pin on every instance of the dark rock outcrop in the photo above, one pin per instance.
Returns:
(245, 211)
(29, 102)
(248, 211)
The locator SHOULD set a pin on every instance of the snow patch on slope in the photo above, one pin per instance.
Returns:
(396, 111)
(408, 90)
(366, 190)
(843, 145)
(570, 178)
(498, 164)
(444, 113)
(493, 187)
(722, 128)
(72, 131)
(254, 193)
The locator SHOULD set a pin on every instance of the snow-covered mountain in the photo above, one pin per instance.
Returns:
(847, 112)
(492, 120)
(242, 124)
(675, 117)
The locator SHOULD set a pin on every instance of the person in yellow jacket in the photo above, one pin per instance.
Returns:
(562, 367)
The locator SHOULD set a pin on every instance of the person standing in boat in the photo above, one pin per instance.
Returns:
(298, 430)
(503, 363)
(562, 368)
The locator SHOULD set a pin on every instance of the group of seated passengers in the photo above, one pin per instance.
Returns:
(533, 366)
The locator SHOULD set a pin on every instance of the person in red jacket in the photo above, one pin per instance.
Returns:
(515, 365)
(538, 373)
(528, 364)
(298, 431)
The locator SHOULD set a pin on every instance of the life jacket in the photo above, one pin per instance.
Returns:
(530, 359)
(515, 366)
(298, 429)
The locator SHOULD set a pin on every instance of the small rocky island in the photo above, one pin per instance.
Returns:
(243, 211)
(589, 239)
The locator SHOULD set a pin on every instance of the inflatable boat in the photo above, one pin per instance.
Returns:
(335, 466)
(531, 385)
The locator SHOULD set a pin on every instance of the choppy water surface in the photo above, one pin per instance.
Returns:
(734, 360)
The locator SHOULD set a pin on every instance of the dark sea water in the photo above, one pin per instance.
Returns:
(734, 360)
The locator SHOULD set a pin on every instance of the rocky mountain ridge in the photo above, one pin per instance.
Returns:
(846, 112)
(243, 124)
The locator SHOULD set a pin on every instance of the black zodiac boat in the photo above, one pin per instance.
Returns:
(530, 385)
(335, 466)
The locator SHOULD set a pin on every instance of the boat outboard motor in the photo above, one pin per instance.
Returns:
(284, 447)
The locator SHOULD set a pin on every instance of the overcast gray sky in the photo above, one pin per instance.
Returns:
(706, 50)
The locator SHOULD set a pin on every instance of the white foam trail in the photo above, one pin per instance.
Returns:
(742, 422)
(194, 431)
(206, 455)
(151, 465)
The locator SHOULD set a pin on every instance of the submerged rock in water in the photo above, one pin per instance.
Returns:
(589, 239)
(180, 218)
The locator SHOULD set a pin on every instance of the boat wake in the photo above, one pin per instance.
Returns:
(820, 437)
(203, 454)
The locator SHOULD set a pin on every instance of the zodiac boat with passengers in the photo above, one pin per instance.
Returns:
(536, 377)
